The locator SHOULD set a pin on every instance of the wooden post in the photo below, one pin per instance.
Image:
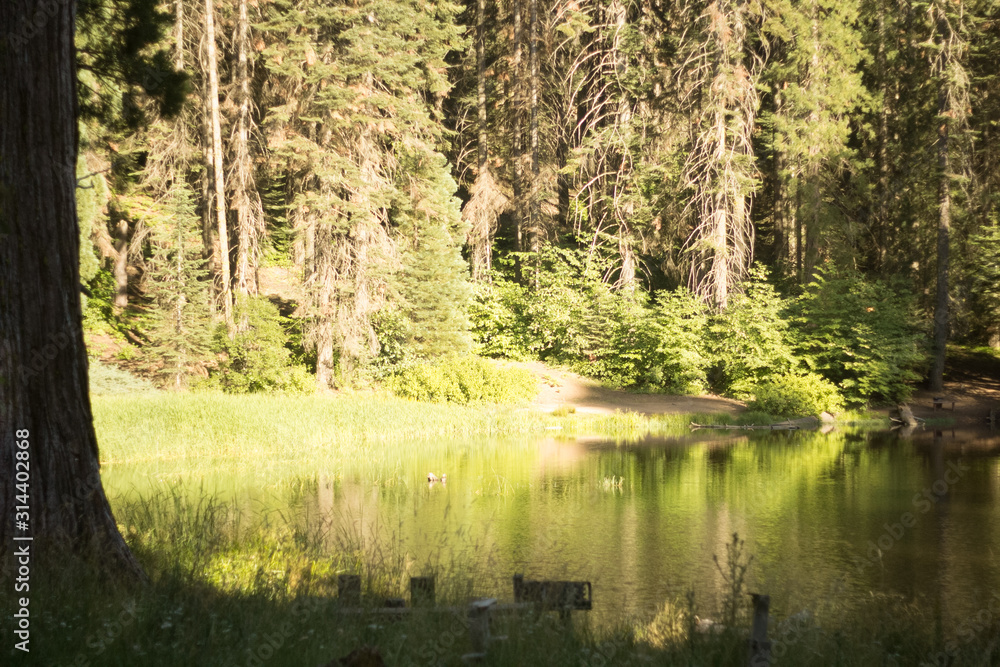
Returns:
(479, 629)
(760, 647)
(422, 591)
(349, 589)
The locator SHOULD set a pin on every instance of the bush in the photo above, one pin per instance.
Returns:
(257, 359)
(749, 342)
(796, 395)
(466, 379)
(574, 317)
(499, 320)
(655, 346)
(860, 335)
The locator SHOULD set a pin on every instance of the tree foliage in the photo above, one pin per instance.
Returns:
(860, 334)
(547, 193)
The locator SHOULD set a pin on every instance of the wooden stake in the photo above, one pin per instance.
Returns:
(349, 589)
(760, 647)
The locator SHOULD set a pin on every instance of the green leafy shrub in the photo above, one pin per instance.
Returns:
(749, 342)
(652, 346)
(573, 317)
(499, 319)
(861, 335)
(465, 379)
(796, 395)
(569, 305)
(256, 356)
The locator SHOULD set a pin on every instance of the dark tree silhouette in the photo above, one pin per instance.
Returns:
(43, 362)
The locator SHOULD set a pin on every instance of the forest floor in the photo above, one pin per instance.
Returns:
(972, 381)
(560, 388)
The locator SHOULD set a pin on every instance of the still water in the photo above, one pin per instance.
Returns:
(824, 515)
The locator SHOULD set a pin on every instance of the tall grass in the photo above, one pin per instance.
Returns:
(275, 436)
(228, 588)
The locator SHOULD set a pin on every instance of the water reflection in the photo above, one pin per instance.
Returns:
(835, 514)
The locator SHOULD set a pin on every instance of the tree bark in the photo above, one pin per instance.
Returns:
(225, 290)
(534, 205)
(245, 198)
(953, 108)
(121, 264)
(515, 116)
(44, 395)
(482, 152)
(943, 247)
(179, 35)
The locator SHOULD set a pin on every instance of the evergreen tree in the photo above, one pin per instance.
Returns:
(948, 47)
(815, 86)
(434, 284)
(718, 78)
(353, 99)
(176, 279)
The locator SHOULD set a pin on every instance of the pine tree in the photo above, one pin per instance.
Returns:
(815, 88)
(719, 80)
(176, 279)
(948, 52)
(434, 280)
(353, 98)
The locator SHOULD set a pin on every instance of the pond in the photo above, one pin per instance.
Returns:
(826, 516)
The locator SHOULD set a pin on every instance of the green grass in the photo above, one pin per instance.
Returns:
(228, 588)
(106, 380)
(362, 434)
(266, 438)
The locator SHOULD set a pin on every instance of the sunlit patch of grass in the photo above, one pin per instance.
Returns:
(268, 440)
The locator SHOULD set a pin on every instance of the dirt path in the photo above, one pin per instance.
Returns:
(562, 388)
(972, 382)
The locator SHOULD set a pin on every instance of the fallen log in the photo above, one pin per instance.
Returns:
(787, 425)
(906, 417)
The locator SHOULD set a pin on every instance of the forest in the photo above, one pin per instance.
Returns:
(780, 200)
(300, 215)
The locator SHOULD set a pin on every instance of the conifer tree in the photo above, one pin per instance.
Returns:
(434, 283)
(718, 79)
(176, 279)
(354, 95)
(815, 87)
(949, 51)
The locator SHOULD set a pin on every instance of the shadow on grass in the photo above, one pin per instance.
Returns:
(227, 589)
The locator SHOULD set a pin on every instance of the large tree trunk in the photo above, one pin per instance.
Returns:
(225, 289)
(482, 152)
(943, 247)
(516, 101)
(486, 201)
(179, 35)
(45, 416)
(534, 204)
(120, 268)
(246, 200)
(719, 169)
(953, 107)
